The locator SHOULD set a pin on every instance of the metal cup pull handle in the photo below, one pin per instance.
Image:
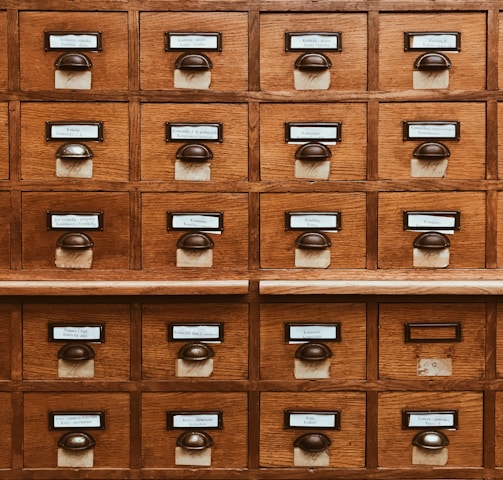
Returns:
(430, 440)
(432, 61)
(431, 241)
(74, 151)
(313, 240)
(313, 152)
(76, 352)
(193, 62)
(313, 62)
(73, 61)
(75, 240)
(76, 441)
(196, 352)
(313, 442)
(194, 440)
(313, 352)
(433, 151)
(195, 241)
(194, 152)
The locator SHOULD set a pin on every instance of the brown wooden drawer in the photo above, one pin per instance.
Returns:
(75, 213)
(468, 64)
(347, 55)
(229, 66)
(195, 341)
(5, 219)
(170, 247)
(3, 50)
(4, 140)
(339, 128)
(221, 416)
(76, 341)
(397, 235)
(437, 410)
(325, 340)
(109, 70)
(7, 312)
(75, 140)
(281, 412)
(432, 341)
(413, 143)
(278, 245)
(194, 142)
(41, 438)
(6, 418)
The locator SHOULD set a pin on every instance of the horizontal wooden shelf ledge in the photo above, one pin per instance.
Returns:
(381, 287)
(137, 287)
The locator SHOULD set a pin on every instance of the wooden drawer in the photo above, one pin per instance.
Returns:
(3, 51)
(180, 341)
(5, 220)
(76, 413)
(75, 140)
(226, 57)
(109, 70)
(347, 53)
(397, 65)
(102, 217)
(6, 417)
(76, 341)
(280, 413)
(430, 412)
(499, 430)
(288, 155)
(278, 245)
(405, 216)
(223, 417)
(432, 341)
(198, 142)
(4, 140)
(414, 143)
(325, 340)
(167, 243)
(7, 312)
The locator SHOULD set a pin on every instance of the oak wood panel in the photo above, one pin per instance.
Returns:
(4, 140)
(3, 50)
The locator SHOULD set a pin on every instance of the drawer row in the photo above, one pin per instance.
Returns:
(182, 430)
(209, 142)
(209, 51)
(440, 341)
(79, 230)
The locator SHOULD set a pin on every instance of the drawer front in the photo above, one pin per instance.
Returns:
(308, 341)
(285, 157)
(227, 442)
(6, 418)
(163, 248)
(54, 143)
(396, 243)
(40, 243)
(221, 154)
(499, 342)
(347, 55)
(499, 430)
(179, 341)
(397, 65)
(277, 436)
(76, 341)
(465, 442)
(412, 151)
(432, 341)
(3, 51)
(228, 68)
(5, 220)
(500, 139)
(112, 443)
(4, 139)
(7, 313)
(278, 245)
(109, 66)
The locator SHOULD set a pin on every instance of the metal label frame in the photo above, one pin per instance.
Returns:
(168, 35)
(48, 131)
(290, 35)
(48, 34)
(288, 333)
(408, 123)
(454, 214)
(406, 414)
(98, 214)
(288, 413)
(289, 215)
(219, 215)
(408, 36)
(169, 134)
(51, 326)
(289, 125)
(220, 337)
(171, 414)
(409, 338)
(100, 414)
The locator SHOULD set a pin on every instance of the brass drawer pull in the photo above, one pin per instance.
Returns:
(196, 352)
(194, 440)
(74, 151)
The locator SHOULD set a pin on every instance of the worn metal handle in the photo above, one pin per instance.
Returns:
(194, 440)
(313, 62)
(196, 352)
(430, 440)
(313, 152)
(431, 241)
(76, 441)
(313, 352)
(313, 442)
(313, 240)
(75, 240)
(74, 151)
(194, 152)
(432, 61)
(195, 241)
(73, 61)
(431, 151)
(76, 352)
(193, 61)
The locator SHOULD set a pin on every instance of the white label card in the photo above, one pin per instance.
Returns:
(431, 221)
(200, 420)
(312, 41)
(196, 332)
(77, 420)
(428, 420)
(73, 41)
(69, 332)
(313, 133)
(313, 332)
(75, 221)
(193, 41)
(312, 420)
(75, 131)
(316, 221)
(199, 222)
(434, 41)
(195, 132)
(433, 131)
